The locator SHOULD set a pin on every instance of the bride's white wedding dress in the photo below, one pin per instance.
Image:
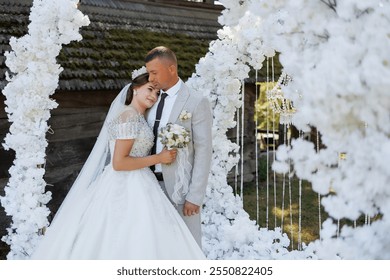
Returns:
(122, 214)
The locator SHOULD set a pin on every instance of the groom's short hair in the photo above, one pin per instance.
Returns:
(161, 52)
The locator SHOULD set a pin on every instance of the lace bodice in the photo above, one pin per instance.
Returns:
(131, 125)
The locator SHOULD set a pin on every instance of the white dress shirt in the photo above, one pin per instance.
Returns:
(168, 105)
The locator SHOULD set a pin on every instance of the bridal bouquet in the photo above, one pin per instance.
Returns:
(174, 136)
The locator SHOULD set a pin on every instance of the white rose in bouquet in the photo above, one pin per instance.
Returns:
(174, 136)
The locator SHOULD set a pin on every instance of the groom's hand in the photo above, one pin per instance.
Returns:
(190, 209)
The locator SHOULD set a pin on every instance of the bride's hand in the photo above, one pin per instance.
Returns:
(167, 156)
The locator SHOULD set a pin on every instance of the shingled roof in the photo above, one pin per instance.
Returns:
(120, 34)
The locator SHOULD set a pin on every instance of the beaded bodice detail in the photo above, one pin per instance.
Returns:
(131, 125)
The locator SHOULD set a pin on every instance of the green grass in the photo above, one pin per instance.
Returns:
(299, 210)
(286, 210)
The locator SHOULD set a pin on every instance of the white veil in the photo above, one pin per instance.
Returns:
(96, 161)
(65, 224)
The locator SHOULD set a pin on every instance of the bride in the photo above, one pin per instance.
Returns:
(118, 210)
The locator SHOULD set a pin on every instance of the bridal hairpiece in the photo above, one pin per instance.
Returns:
(138, 72)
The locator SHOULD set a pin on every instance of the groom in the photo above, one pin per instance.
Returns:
(175, 100)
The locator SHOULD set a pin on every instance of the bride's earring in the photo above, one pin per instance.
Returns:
(135, 92)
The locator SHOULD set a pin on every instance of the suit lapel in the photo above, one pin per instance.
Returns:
(181, 100)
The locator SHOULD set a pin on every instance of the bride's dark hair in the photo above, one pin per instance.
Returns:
(136, 83)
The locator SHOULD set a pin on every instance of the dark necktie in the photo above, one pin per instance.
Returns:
(160, 108)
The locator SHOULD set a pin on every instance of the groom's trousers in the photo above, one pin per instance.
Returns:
(193, 222)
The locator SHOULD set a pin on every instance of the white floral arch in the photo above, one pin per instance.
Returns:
(337, 53)
(340, 86)
(35, 77)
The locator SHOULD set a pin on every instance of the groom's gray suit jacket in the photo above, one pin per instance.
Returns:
(200, 146)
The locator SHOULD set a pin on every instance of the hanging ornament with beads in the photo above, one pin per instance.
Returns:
(278, 103)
